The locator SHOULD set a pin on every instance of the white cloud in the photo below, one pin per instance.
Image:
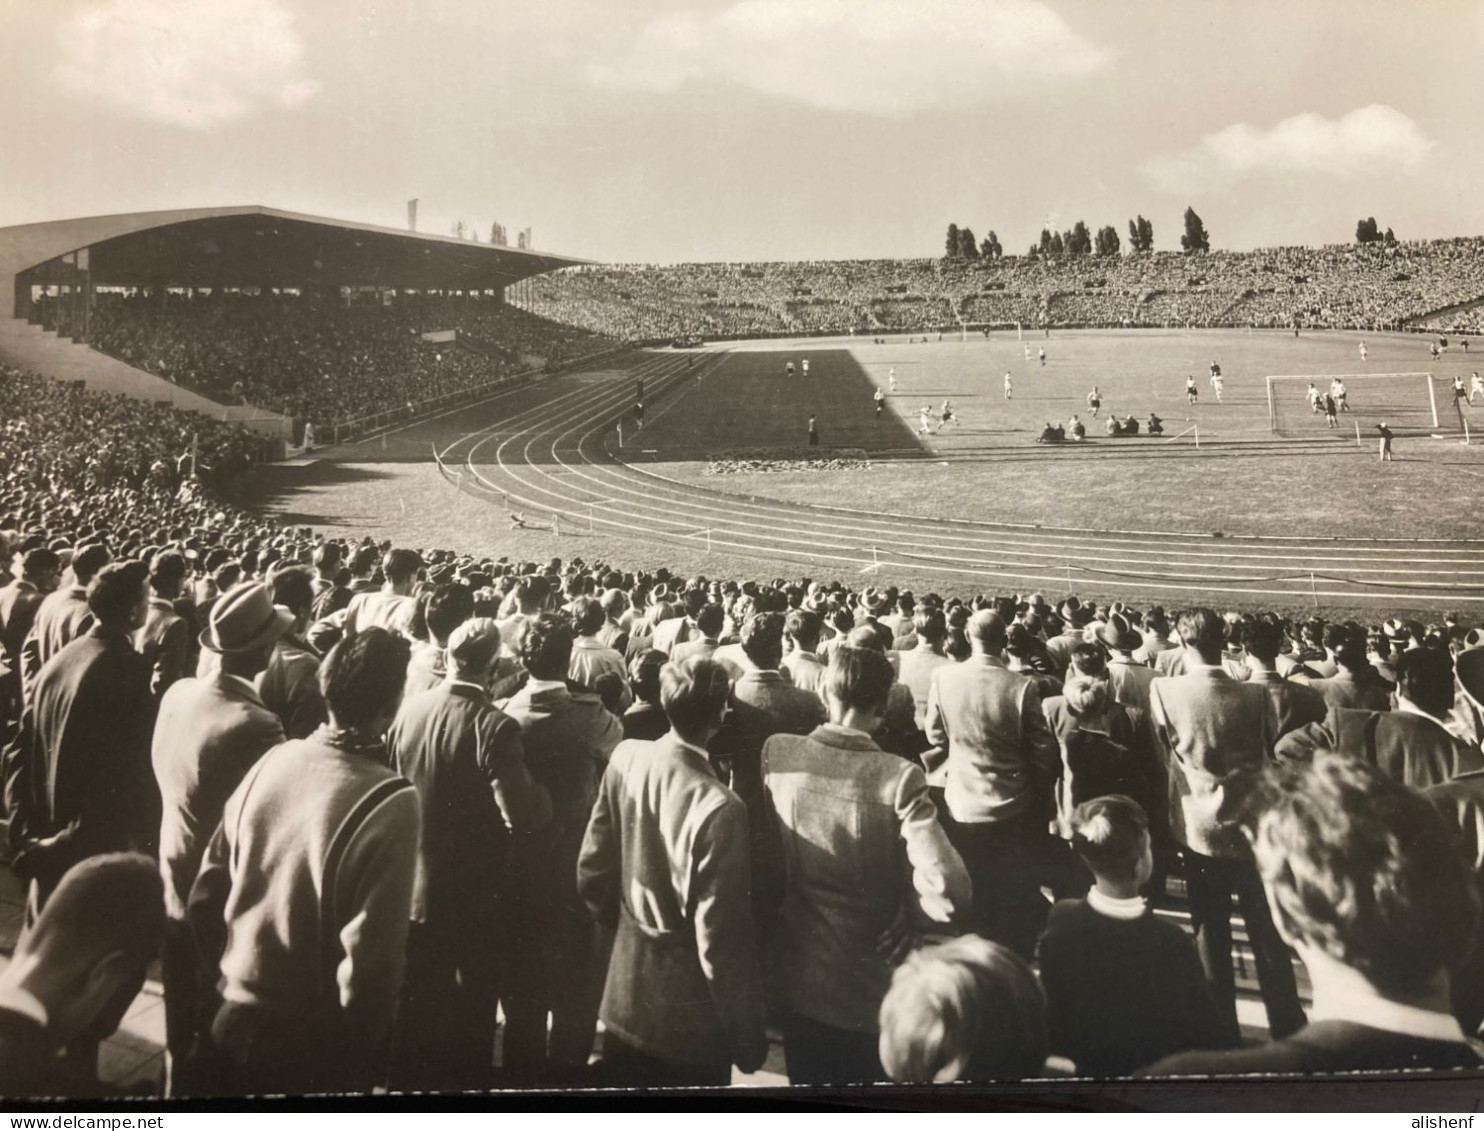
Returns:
(1366, 141)
(191, 63)
(887, 57)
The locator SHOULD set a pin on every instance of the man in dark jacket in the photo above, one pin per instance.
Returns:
(1379, 961)
(78, 780)
(63, 615)
(465, 757)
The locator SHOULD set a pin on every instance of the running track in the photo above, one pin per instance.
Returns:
(556, 464)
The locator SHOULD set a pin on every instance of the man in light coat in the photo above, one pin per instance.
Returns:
(1218, 734)
(664, 865)
(987, 730)
(848, 912)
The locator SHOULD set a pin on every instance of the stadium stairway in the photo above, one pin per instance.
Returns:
(28, 346)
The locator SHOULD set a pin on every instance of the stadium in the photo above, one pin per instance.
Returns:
(842, 625)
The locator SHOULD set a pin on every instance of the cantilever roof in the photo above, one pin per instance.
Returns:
(258, 246)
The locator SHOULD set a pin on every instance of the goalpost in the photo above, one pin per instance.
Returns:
(1407, 401)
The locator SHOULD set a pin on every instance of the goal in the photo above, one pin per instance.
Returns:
(1406, 402)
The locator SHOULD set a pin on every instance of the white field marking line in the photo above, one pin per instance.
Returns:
(1051, 536)
(567, 497)
(813, 527)
(770, 548)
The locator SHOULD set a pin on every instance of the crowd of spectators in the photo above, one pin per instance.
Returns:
(322, 358)
(364, 800)
(1351, 286)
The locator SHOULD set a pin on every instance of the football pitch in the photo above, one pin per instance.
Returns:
(1218, 466)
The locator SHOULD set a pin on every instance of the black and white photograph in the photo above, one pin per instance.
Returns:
(790, 555)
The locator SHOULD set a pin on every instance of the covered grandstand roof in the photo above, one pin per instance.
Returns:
(258, 246)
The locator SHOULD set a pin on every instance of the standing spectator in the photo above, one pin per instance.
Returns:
(77, 777)
(465, 757)
(64, 615)
(568, 737)
(801, 663)
(985, 723)
(1123, 988)
(665, 866)
(785, 708)
(591, 658)
(1294, 705)
(19, 601)
(303, 899)
(289, 686)
(394, 608)
(75, 974)
(447, 607)
(209, 733)
(1218, 734)
(1370, 890)
(646, 720)
(919, 664)
(844, 920)
(709, 619)
(1355, 683)
(165, 639)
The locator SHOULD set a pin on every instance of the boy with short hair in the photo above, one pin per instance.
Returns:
(1123, 988)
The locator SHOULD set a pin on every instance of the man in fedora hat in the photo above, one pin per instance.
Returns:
(1128, 679)
(209, 733)
(1075, 619)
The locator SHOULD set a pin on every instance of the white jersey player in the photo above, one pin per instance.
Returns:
(945, 415)
(1041, 353)
(1027, 352)
(1341, 395)
(1009, 385)
(1476, 388)
(1313, 397)
(1217, 383)
(1362, 351)
(926, 420)
(891, 379)
(804, 367)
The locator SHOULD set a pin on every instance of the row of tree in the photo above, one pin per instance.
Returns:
(1078, 240)
(1366, 231)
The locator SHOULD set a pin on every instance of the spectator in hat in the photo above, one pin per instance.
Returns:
(466, 758)
(985, 723)
(63, 614)
(77, 777)
(75, 973)
(395, 607)
(1217, 734)
(1367, 887)
(1075, 619)
(209, 733)
(1128, 679)
(873, 603)
(289, 685)
(303, 899)
(664, 865)
(848, 914)
(165, 639)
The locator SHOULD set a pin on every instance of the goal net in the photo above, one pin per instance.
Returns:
(1405, 402)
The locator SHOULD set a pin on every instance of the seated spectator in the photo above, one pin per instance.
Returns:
(1367, 886)
(968, 1010)
(1156, 426)
(76, 972)
(1131, 425)
(1123, 987)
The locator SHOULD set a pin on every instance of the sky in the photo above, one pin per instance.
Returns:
(701, 130)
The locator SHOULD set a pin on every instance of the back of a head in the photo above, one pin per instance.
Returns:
(473, 646)
(531, 592)
(587, 616)
(858, 678)
(1363, 869)
(104, 904)
(694, 694)
(986, 632)
(1202, 629)
(866, 637)
(1110, 834)
(614, 602)
(930, 625)
(1087, 695)
(362, 677)
(327, 558)
(709, 620)
(644, 674)
(293, 588)
(546, 647)
(447, 607)
(88, 560)
(968, 1010)
(1425, 677)
(1262, 640)
(167, 570)
(363, 561)
(401, 566)
(115, 593)
(41, 561)
(1156, 621)
(762, 639)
